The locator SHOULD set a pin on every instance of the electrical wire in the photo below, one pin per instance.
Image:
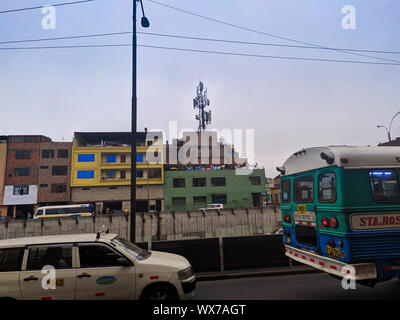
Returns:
(51, 5)
(265, 33)
(192, 38)
(200, 51)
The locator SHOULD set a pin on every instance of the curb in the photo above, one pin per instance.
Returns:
(249, 274)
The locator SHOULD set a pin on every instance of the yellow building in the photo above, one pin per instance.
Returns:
(101, 170)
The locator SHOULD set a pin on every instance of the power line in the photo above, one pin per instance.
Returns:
(265, 33)
(193, 38)
(200, 51)
(52, 5)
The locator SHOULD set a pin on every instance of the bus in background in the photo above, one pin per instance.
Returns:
(78, 210)
(340, 210)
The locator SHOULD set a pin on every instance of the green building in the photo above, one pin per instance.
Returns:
(194, 189)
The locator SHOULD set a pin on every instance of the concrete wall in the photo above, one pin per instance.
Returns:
(152, 227)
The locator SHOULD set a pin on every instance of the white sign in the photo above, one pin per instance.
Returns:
(374, 221)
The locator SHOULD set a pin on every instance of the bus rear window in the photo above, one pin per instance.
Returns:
(303, 189)
(384, 186)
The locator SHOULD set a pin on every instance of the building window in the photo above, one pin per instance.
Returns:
(179, 183)
(219, 198)
(179, 200)
(44, 167)
(85, 174)
(139, 158)
(62, 153)
(111, 158)
(123, 175)
(255, 181)
(23, 154)
(59, 170)
(58, 188)
(21, 172)
(20, 190)
(47, 154)
(218, 182)
(110, 174)
(303, 189)
(43, 186)
(199, 182)
(200, 199)
(155, 173)
(139, 173)
(123, 158)
(85, 157)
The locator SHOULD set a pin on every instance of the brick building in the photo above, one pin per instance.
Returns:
(22, 175)
(54, 173)
(3, 165)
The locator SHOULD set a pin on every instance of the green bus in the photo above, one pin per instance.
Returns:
(340, 210)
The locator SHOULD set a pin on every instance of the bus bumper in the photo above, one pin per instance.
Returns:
(360, 271)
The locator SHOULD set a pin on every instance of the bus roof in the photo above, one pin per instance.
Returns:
(341, 156)
(65, 206)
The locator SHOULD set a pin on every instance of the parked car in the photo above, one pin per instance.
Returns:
(90, 267)
(213, 206)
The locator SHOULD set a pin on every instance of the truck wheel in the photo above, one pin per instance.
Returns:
(160, 292)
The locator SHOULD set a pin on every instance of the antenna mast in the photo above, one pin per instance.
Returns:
(201, 101)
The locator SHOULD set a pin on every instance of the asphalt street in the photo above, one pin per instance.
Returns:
(316, 286)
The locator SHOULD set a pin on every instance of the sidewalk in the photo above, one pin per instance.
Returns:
(260, 272)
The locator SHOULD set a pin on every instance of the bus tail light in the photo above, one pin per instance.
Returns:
(325, 222)
(287, 218)
(333, 222)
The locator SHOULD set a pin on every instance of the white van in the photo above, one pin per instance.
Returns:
(90, 267)
(75, 210)
(213, 206)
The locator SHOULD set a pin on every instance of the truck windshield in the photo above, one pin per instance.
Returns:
(130, 248)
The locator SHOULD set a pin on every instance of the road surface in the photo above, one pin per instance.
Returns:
(315, 286)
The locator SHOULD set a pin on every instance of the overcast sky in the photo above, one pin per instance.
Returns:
(290, 104)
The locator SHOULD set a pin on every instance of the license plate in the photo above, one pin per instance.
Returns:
(334, 252)
(301, 209)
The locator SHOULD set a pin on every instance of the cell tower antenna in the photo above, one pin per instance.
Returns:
(200, 102)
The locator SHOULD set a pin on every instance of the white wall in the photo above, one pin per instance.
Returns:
(11, 199)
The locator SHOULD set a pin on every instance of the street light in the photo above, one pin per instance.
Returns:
(390, 125)
(145, 24)
(381, 126)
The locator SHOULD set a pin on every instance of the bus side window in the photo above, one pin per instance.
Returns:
(384, 185)
(286, 194)
(327, 187)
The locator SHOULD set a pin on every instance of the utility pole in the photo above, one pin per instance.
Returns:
(145, 24)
